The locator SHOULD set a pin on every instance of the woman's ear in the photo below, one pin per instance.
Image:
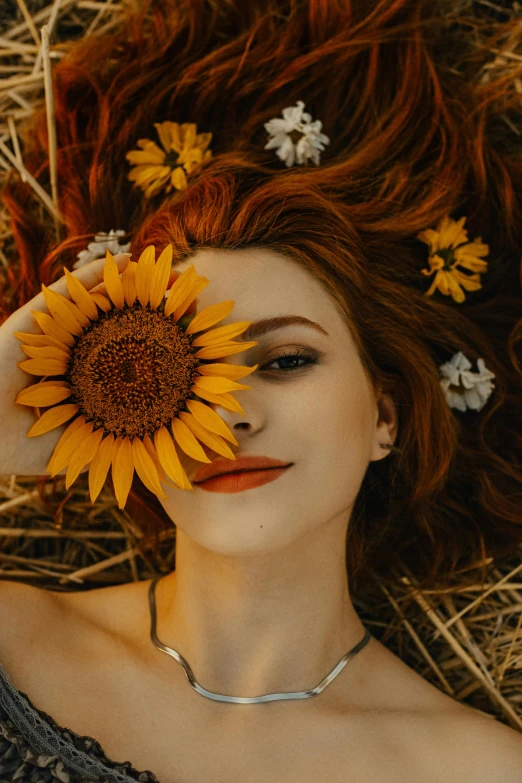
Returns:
(386, 426)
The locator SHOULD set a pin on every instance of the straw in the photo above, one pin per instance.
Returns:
(51, 120)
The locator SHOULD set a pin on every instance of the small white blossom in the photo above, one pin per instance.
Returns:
(464, 389)
(283, 132)
(102, 243)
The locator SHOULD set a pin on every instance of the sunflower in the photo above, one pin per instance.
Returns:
(133, 374)
(183, 150)
(448, 252)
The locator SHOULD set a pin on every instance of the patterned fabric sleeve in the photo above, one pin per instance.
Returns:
(35, 749)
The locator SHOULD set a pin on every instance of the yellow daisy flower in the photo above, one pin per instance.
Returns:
(448, 252)
(134, 375)
(183, 150)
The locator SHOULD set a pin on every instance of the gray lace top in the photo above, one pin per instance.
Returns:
(35, 749)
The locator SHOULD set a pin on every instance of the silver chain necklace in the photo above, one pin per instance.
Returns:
(245, 699)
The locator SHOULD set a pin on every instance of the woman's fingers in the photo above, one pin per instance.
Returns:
(102, 288)
(89, 275)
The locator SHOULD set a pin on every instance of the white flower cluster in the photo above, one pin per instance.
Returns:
(464, 389)
(102, 243)
(284, 133)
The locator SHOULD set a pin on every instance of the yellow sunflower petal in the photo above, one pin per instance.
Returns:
(180, 290)
(149, 445)
(202, 140)
(188, 133)
(455, 290)
(210, 439)
(43, 366)
(434, 286)
(216, 385)
(52, 419)
(112, 280)
(199, 285)
(469, 282)
(61, 454)
(43, 394)
(145, 468)
(40, 340)
(73, 309)
(163, 130)
(122, 470)
(49, 326)
(168, 456)
(47, 352)
(160, 277)
(100, 465)
(145, 175)
(79, 293)
(222, 333)
(211, 420)
(190, 159)
(173, 130)
(187, 441)
(150, 153)
(102, 301)
(57, 306)
(233, 371)
(144, 274)
(225, 400)
(83, 455)
(128, 280)
(430, 237)
(223, 349)
(475, 248)
(179, 178)
(147, 442)
(473, 264)
(452, 232)
(210, 316)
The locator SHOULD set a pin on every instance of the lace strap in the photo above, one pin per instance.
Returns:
(47, 740)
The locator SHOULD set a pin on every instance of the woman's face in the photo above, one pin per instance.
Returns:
(322, 416)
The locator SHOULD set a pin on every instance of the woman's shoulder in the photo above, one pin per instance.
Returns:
(28, 616)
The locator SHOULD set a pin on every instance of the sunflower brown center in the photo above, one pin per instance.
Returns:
(131, 371)
(448, 256)
(171, 159)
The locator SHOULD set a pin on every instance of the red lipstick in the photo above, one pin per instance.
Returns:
(237, 482)
(219, 466)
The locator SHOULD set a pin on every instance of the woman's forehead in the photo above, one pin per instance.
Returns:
(259, 280)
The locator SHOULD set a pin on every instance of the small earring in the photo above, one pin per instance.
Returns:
(390, 447)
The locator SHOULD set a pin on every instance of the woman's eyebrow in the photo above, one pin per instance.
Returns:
(265, 325)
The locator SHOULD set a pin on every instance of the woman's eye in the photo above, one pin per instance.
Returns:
(291, 358)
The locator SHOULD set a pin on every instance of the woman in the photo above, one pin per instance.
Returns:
(260, 601)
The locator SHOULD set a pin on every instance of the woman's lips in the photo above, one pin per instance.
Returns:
(237, 482)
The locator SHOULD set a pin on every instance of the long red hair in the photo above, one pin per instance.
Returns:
(412, 138)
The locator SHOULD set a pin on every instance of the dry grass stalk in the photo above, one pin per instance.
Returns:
(455, 645)
(51, 119)
(29, 21)
(50, 27)
(40, 192)
(39, 18)
(16, 146)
